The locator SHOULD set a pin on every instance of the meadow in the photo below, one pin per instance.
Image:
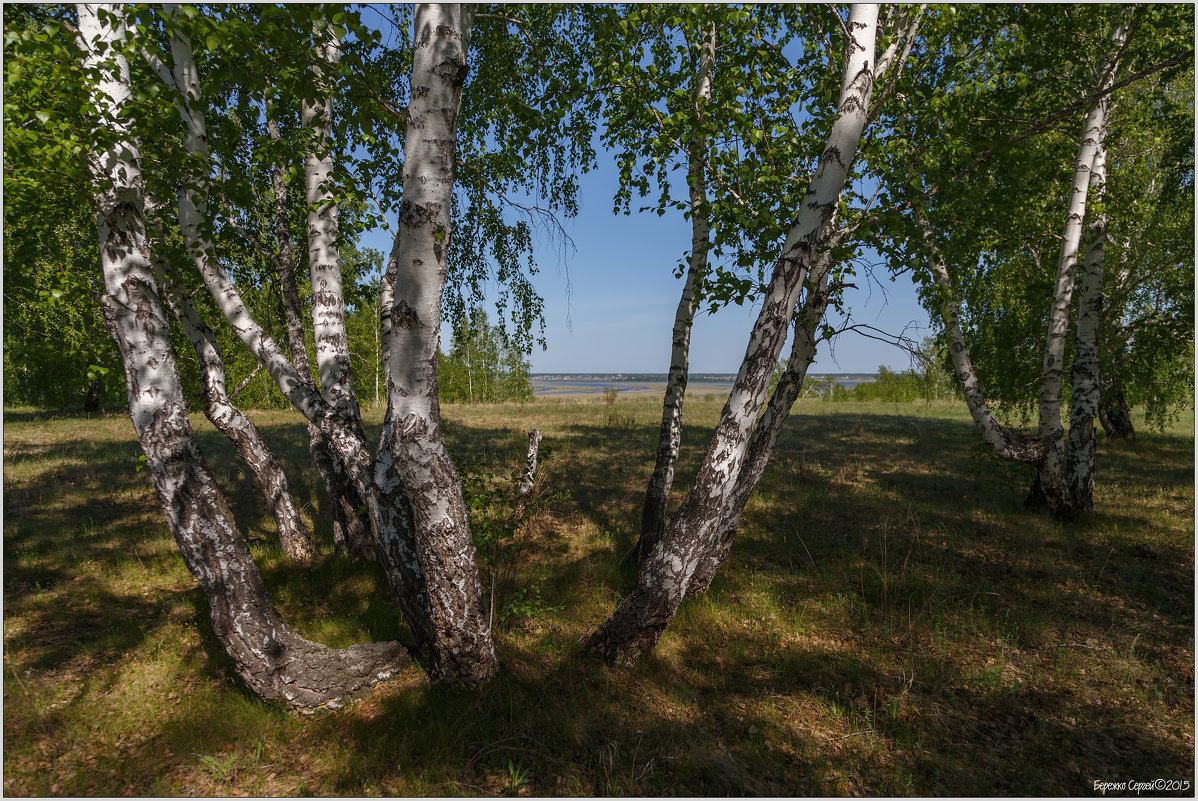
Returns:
(891, 621)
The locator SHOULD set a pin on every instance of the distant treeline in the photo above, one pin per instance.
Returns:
(648, 378)
(889, 386)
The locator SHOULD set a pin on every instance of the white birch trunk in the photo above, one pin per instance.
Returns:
(641, 617)
(350, 532)
(528, 480)
(1006, 444)
(463, 649)
(193, 220)
(294, 538)
(769, 427)
(1050, 486)
(387, 505)
(386, 306)
(274, 661)
(653, 516)
(1086, 373)
(324, 256)
(344, 431)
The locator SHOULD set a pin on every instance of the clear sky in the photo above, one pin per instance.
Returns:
(609, 305)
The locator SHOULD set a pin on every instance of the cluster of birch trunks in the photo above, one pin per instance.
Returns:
(401, 502)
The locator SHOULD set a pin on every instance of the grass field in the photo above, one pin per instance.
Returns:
(891, 622)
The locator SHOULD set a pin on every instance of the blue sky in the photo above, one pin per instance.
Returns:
(609, 305)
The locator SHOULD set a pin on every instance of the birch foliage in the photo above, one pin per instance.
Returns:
(998, 222)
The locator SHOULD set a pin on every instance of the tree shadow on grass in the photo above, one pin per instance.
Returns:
(940, 650)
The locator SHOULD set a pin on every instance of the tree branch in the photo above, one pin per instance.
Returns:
(1069, 109)
(512, 20)
(245, 382)
(892, 77)
(249, 237)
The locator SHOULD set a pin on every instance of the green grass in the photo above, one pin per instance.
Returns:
(891, 623)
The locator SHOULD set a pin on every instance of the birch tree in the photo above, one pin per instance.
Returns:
(642, 615)
(653, 518)
(413, 440)
(294, 537)
(387, 499)
(835, 249)
(269, 234)
(1013, 48)
(1052, 480)
(270, 657)
(328, 307)
(410, 492)
(1086, 379)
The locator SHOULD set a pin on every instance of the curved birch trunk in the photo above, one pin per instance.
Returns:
(463, 649)
(294, 538)
(274, 661)
(642, 616)
(1086, 373)
(386, 502)
(1051, 485)
(1006, 444)
(350, 532)
(769, 427)
(653, 516)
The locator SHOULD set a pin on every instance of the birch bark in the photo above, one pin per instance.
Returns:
(324, 256)
(1086, 373)
(386, 306)
(1006, 444)
(1050, 485)
(294, 538)
(528, 480)
(653, 516)
(350, 532)
(274, 661)
(386, 503)
(769, 427)
(640, 619)
(463, 649)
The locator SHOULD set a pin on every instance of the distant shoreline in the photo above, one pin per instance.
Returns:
(583, 385)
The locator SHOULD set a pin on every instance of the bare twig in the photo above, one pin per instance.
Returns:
(249, 237)
(245, 382)
(855, 734)
(893, 71)
(502, 18)
(379, 205)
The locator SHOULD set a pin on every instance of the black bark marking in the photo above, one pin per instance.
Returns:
(414, 215)
(404, 316)
(452, 69)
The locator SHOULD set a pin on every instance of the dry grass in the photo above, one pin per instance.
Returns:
(891, 623)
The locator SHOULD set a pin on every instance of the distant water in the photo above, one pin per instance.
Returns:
(583, 383)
